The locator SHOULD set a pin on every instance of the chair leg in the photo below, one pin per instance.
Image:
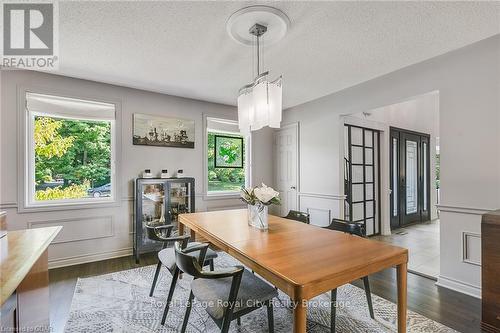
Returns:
(226, 323)
(368, 296)
(157, 273)
(238, 321)
(170, 294)
(270, 316)
(211, 265)
(188, 311)
(333, 310)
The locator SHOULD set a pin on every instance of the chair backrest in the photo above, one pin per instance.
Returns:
(298, 216)
(349, 227)
(189, 264)
(192, 265)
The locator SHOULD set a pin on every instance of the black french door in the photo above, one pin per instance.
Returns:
(410, 177)
(361, 177)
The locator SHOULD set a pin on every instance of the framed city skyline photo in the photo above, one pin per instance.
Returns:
(151, 130)
(228, 152)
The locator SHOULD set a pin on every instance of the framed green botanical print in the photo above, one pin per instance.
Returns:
(228, 152)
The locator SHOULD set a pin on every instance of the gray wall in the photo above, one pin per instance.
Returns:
(468, 81)
(99, 233)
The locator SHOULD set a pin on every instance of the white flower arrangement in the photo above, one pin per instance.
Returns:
(263, 195)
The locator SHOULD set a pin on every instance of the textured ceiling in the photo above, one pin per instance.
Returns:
(182, 48)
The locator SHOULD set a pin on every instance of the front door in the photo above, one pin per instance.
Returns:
(409, 177)
(286, 178)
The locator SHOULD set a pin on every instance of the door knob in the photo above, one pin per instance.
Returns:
(292, 187)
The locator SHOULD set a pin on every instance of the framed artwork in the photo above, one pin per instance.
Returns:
(228, 152)
(160, 131)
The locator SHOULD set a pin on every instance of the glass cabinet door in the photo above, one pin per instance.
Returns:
(153, 207)
(180, 200)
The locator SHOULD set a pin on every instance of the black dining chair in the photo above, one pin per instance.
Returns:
(166, 257)
(229, 292)
(298, 216)
(357, 229)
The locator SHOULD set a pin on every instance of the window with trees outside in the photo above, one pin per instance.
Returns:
(227, 157)
(70, 150)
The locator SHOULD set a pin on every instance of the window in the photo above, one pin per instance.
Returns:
(227, 157)
(70, 155)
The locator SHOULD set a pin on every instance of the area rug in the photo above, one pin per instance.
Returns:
(120, 302)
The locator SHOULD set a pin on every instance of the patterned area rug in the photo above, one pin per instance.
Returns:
(120, 302)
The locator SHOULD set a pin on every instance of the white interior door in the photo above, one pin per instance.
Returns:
(286, 162)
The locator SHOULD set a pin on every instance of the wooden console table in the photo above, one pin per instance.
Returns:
(24, 280)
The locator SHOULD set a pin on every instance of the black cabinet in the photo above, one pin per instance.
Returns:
(157, 202)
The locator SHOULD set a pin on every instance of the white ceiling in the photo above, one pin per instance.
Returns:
(182, 48)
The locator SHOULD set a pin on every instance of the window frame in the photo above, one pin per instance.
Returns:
(26, 156)
(247, 141)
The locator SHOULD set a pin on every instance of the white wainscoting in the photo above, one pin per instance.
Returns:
(79, 229)
(321, 207)
(461, 254)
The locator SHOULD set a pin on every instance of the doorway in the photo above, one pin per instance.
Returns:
(361, 177)
(410, 177)
(286, 167)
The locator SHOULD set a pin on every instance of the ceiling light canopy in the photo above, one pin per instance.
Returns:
(259, 102)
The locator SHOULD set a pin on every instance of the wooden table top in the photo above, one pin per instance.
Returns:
(305, 256)
(19, 250)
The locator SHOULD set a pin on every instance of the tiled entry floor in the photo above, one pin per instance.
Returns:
(422, 242)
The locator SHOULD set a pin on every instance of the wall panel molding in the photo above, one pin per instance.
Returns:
(87, 228)
(471, 254)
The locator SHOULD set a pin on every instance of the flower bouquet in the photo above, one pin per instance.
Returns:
(258, 200)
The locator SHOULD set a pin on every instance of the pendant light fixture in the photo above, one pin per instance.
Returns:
(259, 102)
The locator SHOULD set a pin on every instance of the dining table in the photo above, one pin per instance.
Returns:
(302, 260)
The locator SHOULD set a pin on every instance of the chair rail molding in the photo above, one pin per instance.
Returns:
(322, 195)
(464, 209)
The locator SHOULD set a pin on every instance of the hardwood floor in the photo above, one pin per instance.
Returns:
(453, 309)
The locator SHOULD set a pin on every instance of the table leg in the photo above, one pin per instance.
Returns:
(299, 317)
(181, 228)
(402, 297)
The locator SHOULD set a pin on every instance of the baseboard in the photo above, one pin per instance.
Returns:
(461, 287)
(86, 258)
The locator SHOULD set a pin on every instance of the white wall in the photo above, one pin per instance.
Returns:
(419, 114)
(468, 81)
(99, 233)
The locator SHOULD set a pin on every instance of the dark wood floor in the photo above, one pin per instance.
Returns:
(458, 311)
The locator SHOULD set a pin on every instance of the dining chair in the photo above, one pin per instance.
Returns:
(357, 229)
(166, 257)
(298, 216)
(229, 293)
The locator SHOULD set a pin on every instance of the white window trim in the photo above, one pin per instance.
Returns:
(26, 158)
(248, 162)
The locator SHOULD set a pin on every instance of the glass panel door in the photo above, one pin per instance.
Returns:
(180, 200)
(361, 159)
(411, 177)
(151, 208)
(409, 165)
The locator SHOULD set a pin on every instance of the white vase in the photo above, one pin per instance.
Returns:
(257, 216)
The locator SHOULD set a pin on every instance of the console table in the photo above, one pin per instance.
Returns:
(490, 266)
(24, 279)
